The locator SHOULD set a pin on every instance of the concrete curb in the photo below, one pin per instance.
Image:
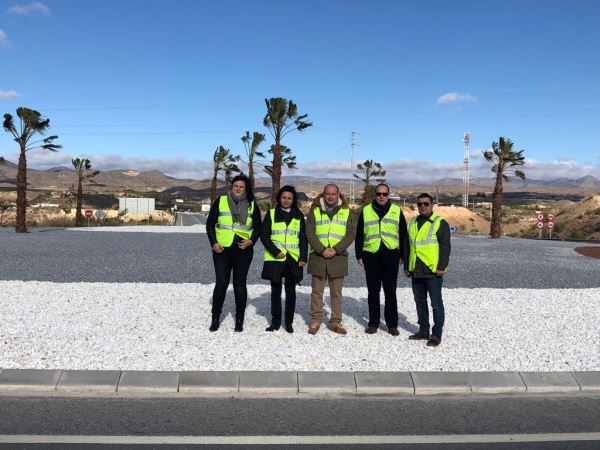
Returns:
(105, 382)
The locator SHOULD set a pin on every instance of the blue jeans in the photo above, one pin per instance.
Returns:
(421, 287)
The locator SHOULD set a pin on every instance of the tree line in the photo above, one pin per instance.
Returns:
(281, 118)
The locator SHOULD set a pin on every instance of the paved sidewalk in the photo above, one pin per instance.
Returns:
(271, 383)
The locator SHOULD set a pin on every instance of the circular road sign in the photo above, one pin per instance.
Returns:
(88, 213)
(540, 225)
(550, 217)
(540, 217)
(452, 229)
(550, 224)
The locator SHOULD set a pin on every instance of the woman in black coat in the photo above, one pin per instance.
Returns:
(290, 268)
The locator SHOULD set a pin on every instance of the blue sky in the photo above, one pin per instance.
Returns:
(157, 84)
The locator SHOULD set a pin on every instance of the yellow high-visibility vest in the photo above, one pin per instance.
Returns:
(285, 237)
(330, 232)
(226, 228)
(376, 230)
(424, 243)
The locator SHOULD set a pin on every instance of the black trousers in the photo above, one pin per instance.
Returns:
(381, 268)
(237, 260)
(290, 296)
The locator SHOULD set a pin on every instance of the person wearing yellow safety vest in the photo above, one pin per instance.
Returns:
(283, 234)
(233, 227)
(381, 242)
(330, 229)
(429, 237)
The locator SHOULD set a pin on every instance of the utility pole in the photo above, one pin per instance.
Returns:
(353, 146)
(466, 142)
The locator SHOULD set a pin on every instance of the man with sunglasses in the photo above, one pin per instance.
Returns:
(381, 242)
(429, 236)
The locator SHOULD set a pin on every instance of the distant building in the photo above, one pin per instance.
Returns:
(136, 205)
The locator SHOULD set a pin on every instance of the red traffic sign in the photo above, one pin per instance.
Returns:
(550, 224)
(540, 224)
(540, 217)
(550, 217)
(88, 213)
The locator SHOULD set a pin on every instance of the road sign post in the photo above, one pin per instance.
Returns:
(88, 213)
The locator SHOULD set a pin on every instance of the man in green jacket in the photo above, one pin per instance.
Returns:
(330, 229)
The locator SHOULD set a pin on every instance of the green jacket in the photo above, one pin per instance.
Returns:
(338, 265)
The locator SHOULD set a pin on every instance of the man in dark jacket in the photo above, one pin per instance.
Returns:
(283, 234)
(429, 237)
(381, 242)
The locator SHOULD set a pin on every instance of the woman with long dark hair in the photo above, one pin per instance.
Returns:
(233, 227)
(283, 235)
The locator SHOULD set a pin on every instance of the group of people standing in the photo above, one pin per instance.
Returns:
(382, 237)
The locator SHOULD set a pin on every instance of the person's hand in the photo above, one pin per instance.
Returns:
(360, 262)
(439, 273)
(301, 263)
(217, 248)
(244, 244)
(407, 274)
(280, 255)
(329, 253)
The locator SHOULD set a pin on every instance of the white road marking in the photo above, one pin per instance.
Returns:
(299, 440)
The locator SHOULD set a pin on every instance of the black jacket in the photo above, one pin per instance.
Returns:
(384, 252)
(443, 237)
(213, 216)
(272, 270)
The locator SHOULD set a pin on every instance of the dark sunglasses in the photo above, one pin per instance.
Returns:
(419, 204)
(379, 194)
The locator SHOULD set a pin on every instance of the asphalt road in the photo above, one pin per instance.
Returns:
(364, 418)
(73, 256)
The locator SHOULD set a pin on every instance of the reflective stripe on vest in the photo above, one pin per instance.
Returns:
(385, 230)
(226, 228)
(285, 237)
(331, 231)
(424, 243)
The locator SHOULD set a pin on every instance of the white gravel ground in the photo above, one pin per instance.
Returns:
(146, 229)
(141, 326)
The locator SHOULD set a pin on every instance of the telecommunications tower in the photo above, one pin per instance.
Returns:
(466, 142)
(353, 145)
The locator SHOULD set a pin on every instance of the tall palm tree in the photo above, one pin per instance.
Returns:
(504, 162)
(223, 162)
(30, 124)
(371, 171)
(281, 119)
(288, 159)
(253, 156)
(83, 170)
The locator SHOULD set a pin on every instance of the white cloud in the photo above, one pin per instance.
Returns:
(455, 97)
(8, 95)
(3, 39)
(29, 9)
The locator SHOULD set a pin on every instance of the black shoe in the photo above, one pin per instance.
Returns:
(273, 327)
(418, 337)
(371, 329)
(239, 324)
(214, 325)
(289, 328)
(434, 341)
(394, 331)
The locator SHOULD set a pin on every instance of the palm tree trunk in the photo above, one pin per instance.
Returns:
(78, 215)
(21, 225)
(213, 188)
(276, 180)
(496, 225)
(251, 174)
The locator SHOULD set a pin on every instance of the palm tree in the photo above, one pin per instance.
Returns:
(251, 145)
(225, 162)
(31, 123)
(288, 159)
(504, 160)
(370, 171)
(281, 119)
(83, 170)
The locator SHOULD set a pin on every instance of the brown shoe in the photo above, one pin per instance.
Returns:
(418, 337)
(371, 330)
(314, 329)
(337, 328)
(394, 331)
